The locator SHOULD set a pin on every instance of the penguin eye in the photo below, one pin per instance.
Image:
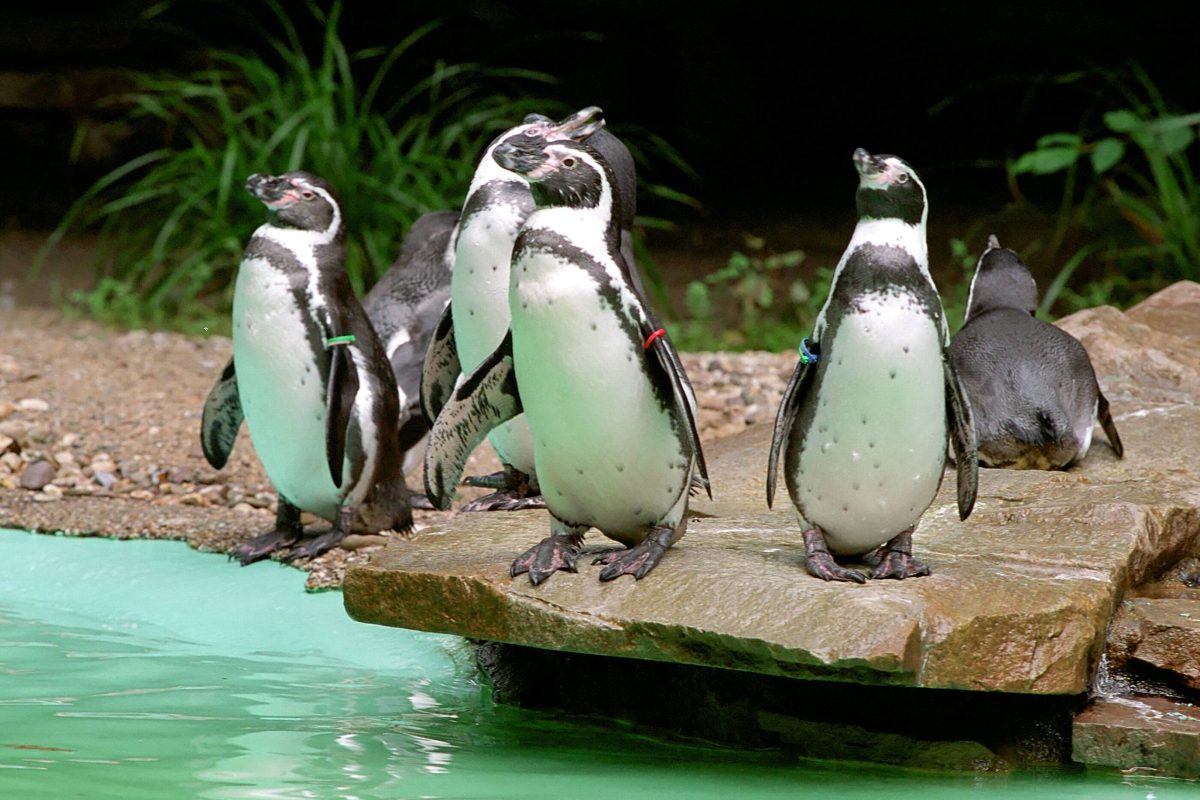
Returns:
(308, 195)
(568, 162)
(902, 177)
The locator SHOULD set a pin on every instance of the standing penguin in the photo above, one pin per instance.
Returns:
(606, 397)
(864, 420)
(405, 306)
(1032, 388)
(498, 202)
(309, 376)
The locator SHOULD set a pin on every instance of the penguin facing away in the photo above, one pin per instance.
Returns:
(605, 395)
(1032, 387)
(864, 421)
(309, 376)
(477, 318)
(404, 306)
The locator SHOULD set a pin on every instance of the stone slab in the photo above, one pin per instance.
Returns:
(1019, 600)
(1148, 734)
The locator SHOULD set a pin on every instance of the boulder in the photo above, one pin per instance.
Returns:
(1147, 734)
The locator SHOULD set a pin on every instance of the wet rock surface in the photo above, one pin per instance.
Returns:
(1144, 734)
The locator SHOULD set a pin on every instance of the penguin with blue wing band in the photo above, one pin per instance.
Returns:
(864, 421)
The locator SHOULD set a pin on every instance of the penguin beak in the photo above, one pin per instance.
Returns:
(868, 166)
(580, 125)
(273, 191)
(521, 157)
(993, 242)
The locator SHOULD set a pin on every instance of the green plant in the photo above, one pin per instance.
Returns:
(173, 221)
(1129, 185)
(752, 314)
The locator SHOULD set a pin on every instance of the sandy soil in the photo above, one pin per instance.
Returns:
(99, 435)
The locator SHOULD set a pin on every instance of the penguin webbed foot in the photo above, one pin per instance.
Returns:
(264, 545)
(820, 563)
(514, 491)
(896, 560)
(286, 533)
(554, 553)
(322, 543)
(638, 560)
(505, 500)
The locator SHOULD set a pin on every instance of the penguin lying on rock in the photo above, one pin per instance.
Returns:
(477, 318)
(309, 376)
(864, 421)
(606, 398)
(1031, 385)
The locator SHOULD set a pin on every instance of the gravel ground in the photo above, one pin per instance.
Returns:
(99, 436)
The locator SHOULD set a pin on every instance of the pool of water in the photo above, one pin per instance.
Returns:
(148, 670)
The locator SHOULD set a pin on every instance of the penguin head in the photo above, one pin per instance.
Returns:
(298, 200)
(537, 129)
(560, 173)
(1001, 281)
(888, 188)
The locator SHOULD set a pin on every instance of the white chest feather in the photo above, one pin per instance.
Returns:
(606, 451)
(873, 456)
(479, 284)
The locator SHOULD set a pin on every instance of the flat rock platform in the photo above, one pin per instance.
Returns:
(1021, 593)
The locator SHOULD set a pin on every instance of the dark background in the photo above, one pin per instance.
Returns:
(765, 100)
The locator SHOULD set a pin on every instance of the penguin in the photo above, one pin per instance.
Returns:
(1031, 385)
(864, 421)
(309, 376)
(606, 398)
(497, 204)
(404, 307)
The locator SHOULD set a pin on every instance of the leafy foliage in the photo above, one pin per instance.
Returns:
(761, 303)
(173, 221)
(1130, 185)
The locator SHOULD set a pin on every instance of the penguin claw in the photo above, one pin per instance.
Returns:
(638, 560)
(554, 553)
(315, 546)
(820, 563)
(264, 545)
(505, 500)
(896, 560)
(898, 565)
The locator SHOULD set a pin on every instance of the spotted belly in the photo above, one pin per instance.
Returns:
(606, 450)
(875, 446)
(280, 387)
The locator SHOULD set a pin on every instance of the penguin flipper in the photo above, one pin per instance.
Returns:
(789, 405)
(671, 368)
(962, 438)
(222, 418)
(340, 395)
(441, 369)
(487, 398)
(1104, 416)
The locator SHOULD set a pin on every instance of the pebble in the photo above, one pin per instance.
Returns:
(34, 404)
(6, 409)
(105, 478)
(37, 474)
(12, 461)
(9, 444)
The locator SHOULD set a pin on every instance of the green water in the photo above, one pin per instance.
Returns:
(147, 670)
